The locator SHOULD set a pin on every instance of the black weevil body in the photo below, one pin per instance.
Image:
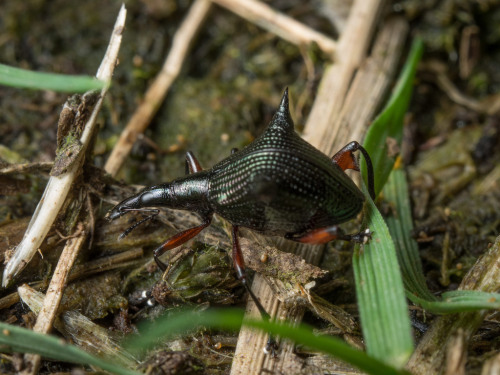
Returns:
(278, 185)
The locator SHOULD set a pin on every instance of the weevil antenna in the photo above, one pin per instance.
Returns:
(154, 212)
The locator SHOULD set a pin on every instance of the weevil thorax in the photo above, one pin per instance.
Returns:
(280, 184)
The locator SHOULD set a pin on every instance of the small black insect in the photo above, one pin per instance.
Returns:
(278, 185)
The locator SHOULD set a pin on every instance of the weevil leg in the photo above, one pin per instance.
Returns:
(178, 240)
(239, 266)
(192, 164)
(324, 235)
(345, 160)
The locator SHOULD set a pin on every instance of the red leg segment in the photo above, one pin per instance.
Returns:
(345, 157)
(178, 240)
(239, 266)
(324, 235)
(345, 160)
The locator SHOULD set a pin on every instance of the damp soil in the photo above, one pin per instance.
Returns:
(223, 98)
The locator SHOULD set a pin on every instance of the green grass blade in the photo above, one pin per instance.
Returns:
(379, 286)
(455, 302)
(400, 225)
(21, 78)
(389, 124)
(22, 340)
(231, 319)
(381, 299)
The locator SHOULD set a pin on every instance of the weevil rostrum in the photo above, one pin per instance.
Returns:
(279, 185)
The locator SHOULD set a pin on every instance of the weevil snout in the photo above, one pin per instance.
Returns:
(129, 204)
(114, 213)
(138, 202)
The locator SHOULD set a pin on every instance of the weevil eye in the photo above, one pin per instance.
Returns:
(115, 213)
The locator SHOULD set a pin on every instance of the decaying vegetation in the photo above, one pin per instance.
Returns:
(220, 81)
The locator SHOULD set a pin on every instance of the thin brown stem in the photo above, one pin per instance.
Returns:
(158, 90)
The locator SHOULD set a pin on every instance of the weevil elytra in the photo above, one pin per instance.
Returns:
(278, 185)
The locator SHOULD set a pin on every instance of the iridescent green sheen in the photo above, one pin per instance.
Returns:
(282, 185)
(278, 185)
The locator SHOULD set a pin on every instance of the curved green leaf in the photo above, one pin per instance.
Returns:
(21, 78)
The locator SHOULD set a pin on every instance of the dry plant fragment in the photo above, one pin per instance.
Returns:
(55, 194)
(254, 11)
(277, 23)
(158, 90)
(58, 186)
(79, 329)
(340, 113)
(431, 353)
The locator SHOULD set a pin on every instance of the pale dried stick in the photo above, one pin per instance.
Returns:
(278, 23)
(58, 186)
(352, 47)
(71, 250)
(54, 294)
(430, 355)
(120, 260)
(159, 88)
(254, 11)
(366, 93)
(80, 330)
(249, 358)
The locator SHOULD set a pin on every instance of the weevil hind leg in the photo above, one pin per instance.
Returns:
(239, 266)
(345, 159)
(331, 233)
(178, 240)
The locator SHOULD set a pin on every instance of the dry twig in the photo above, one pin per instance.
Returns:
(158, 90)
(279, 24)
(254, 11)
(430, 355)
(58, 187)
(70, 252)
(343, 117)
(52, 300)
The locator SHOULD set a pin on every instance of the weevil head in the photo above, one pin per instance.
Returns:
(188, 193)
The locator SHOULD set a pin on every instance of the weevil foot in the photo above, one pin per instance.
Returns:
(271, 347)
(362, 237)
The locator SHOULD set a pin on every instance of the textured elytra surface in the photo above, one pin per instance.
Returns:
(280, 184)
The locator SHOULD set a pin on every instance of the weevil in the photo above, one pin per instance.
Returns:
(278, 185)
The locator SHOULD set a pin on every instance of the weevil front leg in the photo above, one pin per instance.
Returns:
(239, 266)
(178, 240)
(324, 235)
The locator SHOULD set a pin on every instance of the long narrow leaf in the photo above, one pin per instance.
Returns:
(185, 320)
(21, 78)
(379, 286)
(401, 226)
(18, 339)
(386, 131)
